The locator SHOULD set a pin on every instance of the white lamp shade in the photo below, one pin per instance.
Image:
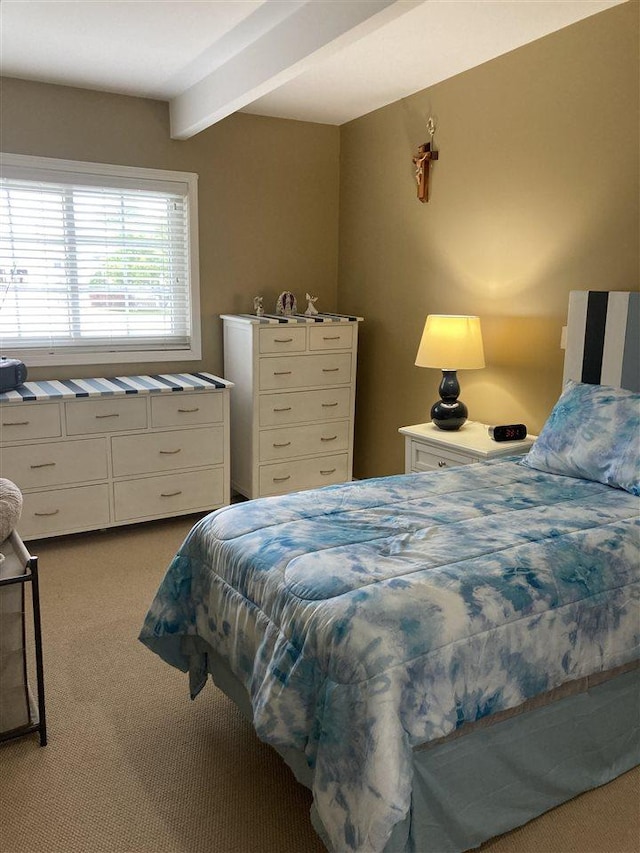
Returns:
(451, 342)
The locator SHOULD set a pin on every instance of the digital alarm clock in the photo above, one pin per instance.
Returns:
(508, 432)
(12, 373)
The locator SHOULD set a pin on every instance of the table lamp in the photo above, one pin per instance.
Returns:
(454, 341)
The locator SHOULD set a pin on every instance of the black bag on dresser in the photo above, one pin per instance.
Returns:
(12, 373)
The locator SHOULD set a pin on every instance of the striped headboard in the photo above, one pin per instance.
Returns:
(603, 338)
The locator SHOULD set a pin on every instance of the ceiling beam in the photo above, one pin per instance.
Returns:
(287, 46)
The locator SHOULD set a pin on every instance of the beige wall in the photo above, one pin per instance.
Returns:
(268, 194)
(536, 193)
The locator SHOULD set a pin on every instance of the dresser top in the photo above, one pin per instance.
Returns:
(275, 319)
(65, 389)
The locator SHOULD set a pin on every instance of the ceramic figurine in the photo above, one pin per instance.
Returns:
(257, 306)
(311, 308)
(286, 304)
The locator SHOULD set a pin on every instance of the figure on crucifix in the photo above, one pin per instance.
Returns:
(422, 161)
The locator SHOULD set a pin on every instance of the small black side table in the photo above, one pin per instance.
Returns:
(19, 715)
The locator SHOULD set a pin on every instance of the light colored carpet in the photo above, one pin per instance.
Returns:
(133, 765)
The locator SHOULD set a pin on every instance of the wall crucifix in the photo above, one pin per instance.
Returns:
(422, 161)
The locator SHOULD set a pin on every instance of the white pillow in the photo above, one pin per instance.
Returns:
(10, 507)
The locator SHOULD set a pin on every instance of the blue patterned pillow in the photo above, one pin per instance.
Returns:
(593, 432)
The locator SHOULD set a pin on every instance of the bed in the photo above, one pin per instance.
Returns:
(442, 656)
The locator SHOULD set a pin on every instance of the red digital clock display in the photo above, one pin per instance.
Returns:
(508, 432)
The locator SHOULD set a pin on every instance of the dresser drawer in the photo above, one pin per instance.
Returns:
(168, 495)
(330, 336)
(112, 415)
(292, 441)
(56, 463)
(184, 409)
(301, 406)
(429, 459)
(299, 371)
(166, 451)
(304, 474)
(64, 511)
(22, 422)
(282, 339)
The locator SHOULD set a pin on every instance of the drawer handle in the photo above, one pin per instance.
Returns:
(186, 411)
(281, 444)
(15, 423)
(331, 338)
(329, 471)
(170, 452)
(330, 369)
(281, 479)
(328, 405)
(43, 465)
(170, 494)
(442, 464)
(282, 340)
(43, 514)
(281, 372)
(110, 415)
(329, 438)
(283, 409)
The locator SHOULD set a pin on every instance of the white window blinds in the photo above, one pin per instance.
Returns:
(97, 263)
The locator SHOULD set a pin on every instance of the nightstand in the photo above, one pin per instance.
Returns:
(428, 448)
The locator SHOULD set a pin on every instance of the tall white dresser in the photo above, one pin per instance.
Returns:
(95, 453)
(293, 402)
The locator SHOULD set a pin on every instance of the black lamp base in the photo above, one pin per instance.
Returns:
(449, 413)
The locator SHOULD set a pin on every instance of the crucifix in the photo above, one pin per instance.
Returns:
(422, 161)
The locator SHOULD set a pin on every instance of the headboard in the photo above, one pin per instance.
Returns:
(603, 338)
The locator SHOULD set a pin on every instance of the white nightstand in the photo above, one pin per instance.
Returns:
(428, 448)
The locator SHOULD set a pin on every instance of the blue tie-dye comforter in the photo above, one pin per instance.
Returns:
(367, 618)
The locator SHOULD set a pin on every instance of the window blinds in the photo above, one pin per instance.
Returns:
(93, 263)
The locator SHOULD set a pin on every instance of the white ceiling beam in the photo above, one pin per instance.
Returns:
(313, 30)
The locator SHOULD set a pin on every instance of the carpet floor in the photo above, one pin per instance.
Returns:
(133, 766)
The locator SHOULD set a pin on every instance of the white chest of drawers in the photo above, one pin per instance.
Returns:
(293, 401)
(95, 453)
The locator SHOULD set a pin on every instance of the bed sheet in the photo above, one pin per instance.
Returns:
(367, 618)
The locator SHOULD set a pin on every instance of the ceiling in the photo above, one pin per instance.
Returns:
(326, 61)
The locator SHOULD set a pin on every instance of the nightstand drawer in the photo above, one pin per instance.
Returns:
(428, 459)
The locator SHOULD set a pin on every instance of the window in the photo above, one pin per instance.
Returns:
(98, 263)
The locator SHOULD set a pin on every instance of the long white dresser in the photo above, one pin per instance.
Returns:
(292, 408)
(94, 453)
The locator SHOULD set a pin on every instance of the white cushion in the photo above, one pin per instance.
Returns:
(10, 507)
